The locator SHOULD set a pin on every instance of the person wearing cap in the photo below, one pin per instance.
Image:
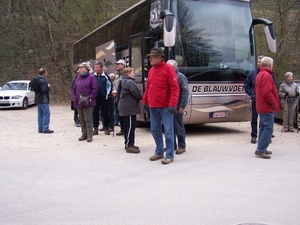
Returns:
(267, 102)
(161, 97)
(120, 67)
(288, 93)
(86, 84)
(42, 101)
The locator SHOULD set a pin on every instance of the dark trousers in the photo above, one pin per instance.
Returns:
(76, 116)
(129, 130)
(254, 120)
(96, 114)
(122, 123)
(179, 131)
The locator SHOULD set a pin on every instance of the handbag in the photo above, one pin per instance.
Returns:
(291, 99)
(84, 100)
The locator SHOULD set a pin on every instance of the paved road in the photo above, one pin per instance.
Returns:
(55, 179)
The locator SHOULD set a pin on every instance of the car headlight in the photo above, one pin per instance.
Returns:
(16, 97)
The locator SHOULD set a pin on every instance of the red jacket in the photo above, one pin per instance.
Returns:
(162, 88)
(267, 99)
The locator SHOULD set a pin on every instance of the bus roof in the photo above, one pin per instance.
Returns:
(124, 12)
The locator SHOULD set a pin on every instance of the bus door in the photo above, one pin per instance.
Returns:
(136, 60)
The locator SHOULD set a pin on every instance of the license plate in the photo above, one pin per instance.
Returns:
(4, 101)
(218, 114)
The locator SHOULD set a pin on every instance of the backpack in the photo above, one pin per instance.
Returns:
(34, 84)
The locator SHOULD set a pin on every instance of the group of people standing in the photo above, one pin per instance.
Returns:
(165, 98)
(260, 85)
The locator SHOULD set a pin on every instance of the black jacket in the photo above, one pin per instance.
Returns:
(42, 96)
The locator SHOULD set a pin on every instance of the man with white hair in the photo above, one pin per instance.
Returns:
(267, 102)
(179, 130)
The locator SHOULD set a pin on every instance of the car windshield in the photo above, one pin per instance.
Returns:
(14, 86)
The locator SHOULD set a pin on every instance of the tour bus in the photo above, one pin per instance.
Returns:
(212, 41)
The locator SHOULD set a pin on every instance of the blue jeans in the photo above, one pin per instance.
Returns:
(265, 131)
(43, 117)
(157, 117)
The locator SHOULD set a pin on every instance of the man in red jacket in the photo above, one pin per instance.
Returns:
(160, 97)
(267, 102)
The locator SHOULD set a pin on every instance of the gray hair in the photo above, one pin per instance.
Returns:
(266, 61)
(287, 74)
(173, 63)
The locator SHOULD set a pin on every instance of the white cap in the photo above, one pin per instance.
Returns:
(121, 61)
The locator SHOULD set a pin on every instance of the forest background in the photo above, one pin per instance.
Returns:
(41, 33)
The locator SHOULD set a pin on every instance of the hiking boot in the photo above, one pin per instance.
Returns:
(95, 132)
(89, 139)
(156, 157)
(82, 138)
(262, 155)
(132, 149)
(180, 151)
(166, 161)
(120, 133)
(268, 152)
(253, 140)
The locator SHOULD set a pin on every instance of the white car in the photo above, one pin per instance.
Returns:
(16, 94)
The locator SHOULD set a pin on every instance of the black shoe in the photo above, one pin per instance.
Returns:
(253, 140)
(48, 131)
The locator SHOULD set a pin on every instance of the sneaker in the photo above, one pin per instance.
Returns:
(110, 129)
(82, 138)
(102, 129)
(89, 139)
(262, 155)
(132, 149)
(77, 125)
(180, 151)
(253, 140)
(156, 157)
(120, 133)
(166, 161)
(291, 129)
(285, 129)
(107, 132)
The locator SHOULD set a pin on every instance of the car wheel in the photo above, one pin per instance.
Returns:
(25, 103)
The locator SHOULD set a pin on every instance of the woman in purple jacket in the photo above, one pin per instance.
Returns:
(86, 84)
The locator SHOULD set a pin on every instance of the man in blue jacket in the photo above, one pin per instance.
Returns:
(250, 90)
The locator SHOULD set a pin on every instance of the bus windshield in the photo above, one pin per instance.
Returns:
(212, 36)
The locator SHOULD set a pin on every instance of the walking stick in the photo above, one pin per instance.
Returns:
(284, 113)
(298, 116)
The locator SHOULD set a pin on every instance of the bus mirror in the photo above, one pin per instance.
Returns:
(169, 27)
(269, 32)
